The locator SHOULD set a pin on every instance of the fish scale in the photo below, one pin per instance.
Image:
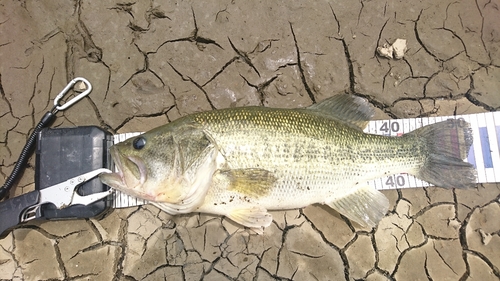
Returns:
(250, 139)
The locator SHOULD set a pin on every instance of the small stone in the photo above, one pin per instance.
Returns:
(455, 223)
(399, 47)
(385, 51)
(486, 237)
(395, 51)
(80, 87)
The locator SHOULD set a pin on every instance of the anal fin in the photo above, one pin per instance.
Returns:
(364, 205)
(253, 217)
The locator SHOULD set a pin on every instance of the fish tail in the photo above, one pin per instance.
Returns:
(446, 144)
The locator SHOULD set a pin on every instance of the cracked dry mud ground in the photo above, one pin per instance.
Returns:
(151, 62)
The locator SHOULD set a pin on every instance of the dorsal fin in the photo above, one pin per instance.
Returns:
(349, 109)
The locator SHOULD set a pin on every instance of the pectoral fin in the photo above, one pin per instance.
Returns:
(251, 182)
(364, 205)
(254, 217)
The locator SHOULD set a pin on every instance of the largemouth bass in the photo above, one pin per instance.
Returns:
(242, 162)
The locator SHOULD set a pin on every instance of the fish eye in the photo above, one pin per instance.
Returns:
(139, 143)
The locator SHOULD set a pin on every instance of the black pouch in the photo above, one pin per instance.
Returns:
(63, 153)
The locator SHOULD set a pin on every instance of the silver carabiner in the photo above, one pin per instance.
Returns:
(66, 89)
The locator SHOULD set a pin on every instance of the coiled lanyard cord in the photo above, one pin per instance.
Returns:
(46, 120)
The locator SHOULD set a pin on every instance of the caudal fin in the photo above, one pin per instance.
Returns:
(447, 144)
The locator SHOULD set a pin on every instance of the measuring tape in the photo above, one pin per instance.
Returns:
(483, 155)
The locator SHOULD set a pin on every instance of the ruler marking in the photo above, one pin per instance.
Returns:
(497, 128)
(485, 147)
(494, 134)
(478, 156)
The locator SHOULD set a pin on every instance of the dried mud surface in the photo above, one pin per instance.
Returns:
(151, 62)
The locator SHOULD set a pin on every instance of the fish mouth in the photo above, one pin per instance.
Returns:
(130, 172)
